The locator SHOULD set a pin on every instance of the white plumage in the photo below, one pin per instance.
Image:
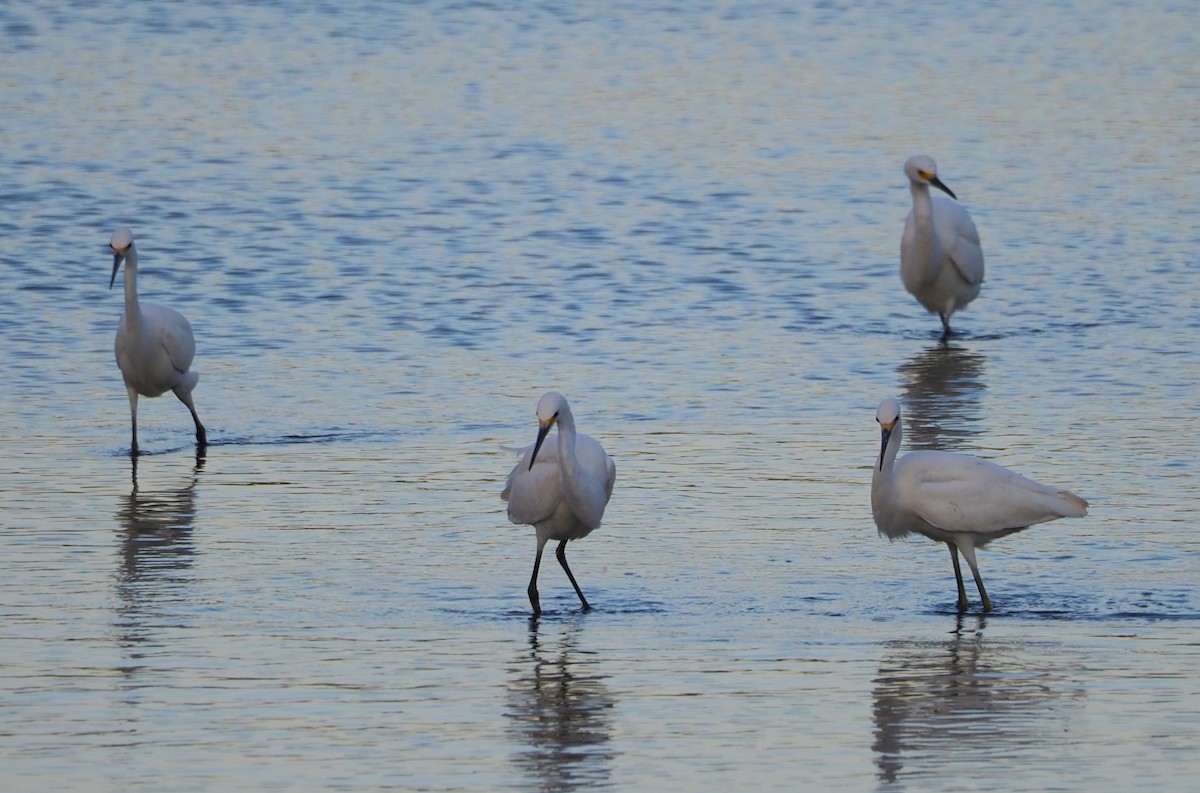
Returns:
(154, 345)
(941, 259)
(957, 499)
(561, 489)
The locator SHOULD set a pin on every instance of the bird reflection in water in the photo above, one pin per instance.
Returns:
(965, 701)
(941, 387)
(560, 707)
(155, 531)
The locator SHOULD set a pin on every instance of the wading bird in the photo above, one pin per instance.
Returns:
(561, 488)
(941, 260)
(957, 499)
(155, 345)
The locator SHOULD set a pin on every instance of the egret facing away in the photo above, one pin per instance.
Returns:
(155, 345)
(957, 499)
(563, 491)
(941, 260)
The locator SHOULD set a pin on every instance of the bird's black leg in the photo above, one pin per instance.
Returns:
(561, 553)
(133, 400)
(987, 602)
(201, 435)
(945, 326)
(186, 398)
(962, 591)
(533, 593)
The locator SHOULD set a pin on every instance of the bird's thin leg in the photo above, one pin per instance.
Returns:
(561, 553)
(945, 326)
(987, 602)
(968, 552)
(133, 400)
(533, 592)
(201, 435)
(962, 591)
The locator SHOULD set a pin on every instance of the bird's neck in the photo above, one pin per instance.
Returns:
(887, 455)
(133, 309)
(577, 487)
(927, 245)
(881, 476)
(922, 203)
(566, 443)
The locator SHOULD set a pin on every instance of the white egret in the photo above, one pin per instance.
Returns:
(561, 489)
(941, 259)
(957, 499)
(155, 345)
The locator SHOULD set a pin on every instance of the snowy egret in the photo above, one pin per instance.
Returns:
(957, 499)
(941, 260)
(561, 490)
(155, 345)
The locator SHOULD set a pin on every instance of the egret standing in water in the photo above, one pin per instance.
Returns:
(941, 260)
(561, 488)
(957, 499)
(155, 345)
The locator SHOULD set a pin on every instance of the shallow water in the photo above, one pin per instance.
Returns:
(394, 228)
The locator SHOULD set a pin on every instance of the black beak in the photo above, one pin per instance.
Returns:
(936, 182)
(543, 431)
(887, 433)
(117, 257)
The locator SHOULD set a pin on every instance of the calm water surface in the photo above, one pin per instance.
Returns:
(394, 227)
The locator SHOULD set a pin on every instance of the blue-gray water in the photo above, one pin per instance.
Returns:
(393, 227)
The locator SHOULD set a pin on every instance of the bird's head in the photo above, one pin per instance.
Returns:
(921, 169)
(549, 407)
(120, 242)
(888, 416)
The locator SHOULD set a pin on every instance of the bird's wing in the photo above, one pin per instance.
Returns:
(175, 334)
(533, 494)
(524, 452)
(599, 475)
(957, 492)
(961, 238)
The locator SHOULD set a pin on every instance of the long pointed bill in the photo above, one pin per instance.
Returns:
(936, 182)
(116, 265)
(543, 431)
(887, 433)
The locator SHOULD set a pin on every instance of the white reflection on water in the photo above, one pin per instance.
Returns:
(964, 700)
(156, 553)
(562, 709)
(942, 386)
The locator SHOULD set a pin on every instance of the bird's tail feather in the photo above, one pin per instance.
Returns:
(1077, 506)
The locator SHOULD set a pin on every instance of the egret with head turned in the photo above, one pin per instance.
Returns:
(560, 487)
(941, 259)
(957, 499)
(154, 346)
